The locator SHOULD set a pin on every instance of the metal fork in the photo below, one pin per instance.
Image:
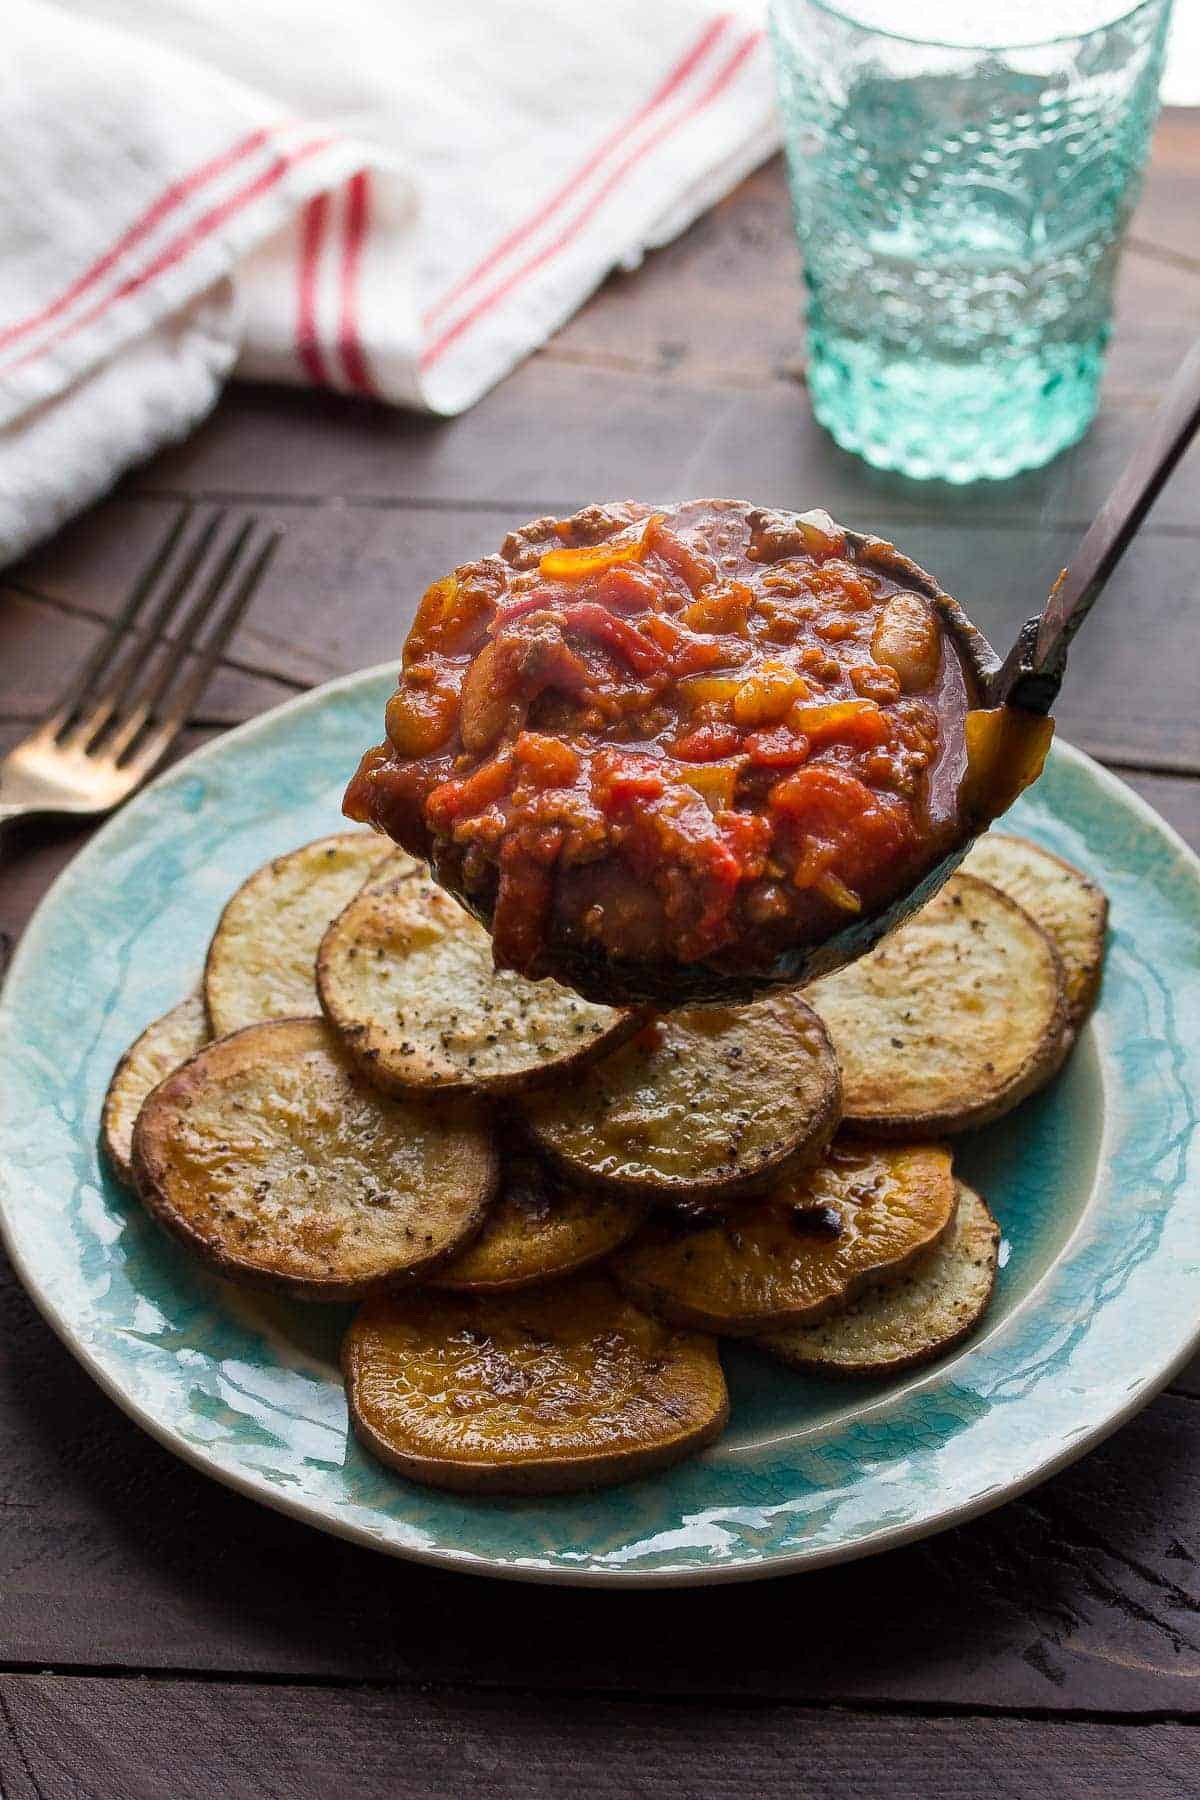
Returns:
(128, 703)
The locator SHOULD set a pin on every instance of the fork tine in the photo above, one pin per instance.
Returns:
(123, 682)
(190, 690)
(138, 706)
(110, 643)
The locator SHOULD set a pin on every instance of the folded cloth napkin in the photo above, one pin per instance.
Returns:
(384, 196)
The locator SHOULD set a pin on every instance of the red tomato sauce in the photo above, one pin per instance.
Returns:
(700, 734)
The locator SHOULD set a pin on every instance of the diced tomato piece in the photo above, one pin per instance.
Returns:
(726, 609)
(641, 655)
(628, 590)
(524, 603)
(841, 827)
(470, 793)
(705, 743)
(781, 748)
(822, 796)
(621, 777)
(551, 762)
(748, 838)
(697, 571)
(686, 653)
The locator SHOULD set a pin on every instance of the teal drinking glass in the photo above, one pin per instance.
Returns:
(960, 206)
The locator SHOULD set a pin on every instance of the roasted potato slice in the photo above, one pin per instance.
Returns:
(538, 1227)
(261, 960)
(1071, 909)
(951, 1020)
(557, 1388)
(163, 1045)
(406, 977)
(897, 1324)
(711, 1100)
(802, 1250)
(273, 1160)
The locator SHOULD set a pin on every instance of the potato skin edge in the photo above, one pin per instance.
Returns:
(255, 875)
(845, 1371)
(792, 1162)
(118, 1165)
(1037, 1073)
(423, 1076)
(1079, 1013)
(799, 1156)
(515, 1283)
(550, 1475)
(1038, 1070)
(647, 1294)
(148, 1176)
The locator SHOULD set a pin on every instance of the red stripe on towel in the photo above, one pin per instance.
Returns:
(670, 85)
(171, 198)
(493, 298)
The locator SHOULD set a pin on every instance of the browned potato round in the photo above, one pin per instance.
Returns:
(405, 976)
(712, 1100)
(163, 1045)
(539, 1226)
(897, 1324)
(556, 1388)
(801, 1251)
(1071, 910)
(263, 953)
(272, 1159)
(951, 1020)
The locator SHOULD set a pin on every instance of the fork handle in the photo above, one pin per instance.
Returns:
(1033, 670)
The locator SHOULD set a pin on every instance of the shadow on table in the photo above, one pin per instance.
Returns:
(115, 1554)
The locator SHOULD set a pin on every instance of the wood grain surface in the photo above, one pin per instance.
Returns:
(160, 1636)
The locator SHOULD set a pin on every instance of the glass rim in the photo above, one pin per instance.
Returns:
(837, 11)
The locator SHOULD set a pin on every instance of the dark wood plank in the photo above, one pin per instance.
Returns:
(1177, 799)
(70, 1737)
(41, 645)
(346, 580)
(558, 433)
(1168, 218)
(1084, 1595)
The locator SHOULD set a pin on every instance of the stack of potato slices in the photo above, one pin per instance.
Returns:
(551, 1211)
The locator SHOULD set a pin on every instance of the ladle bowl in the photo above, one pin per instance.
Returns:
(1025, 682)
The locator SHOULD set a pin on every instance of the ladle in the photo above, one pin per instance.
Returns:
(1025, 683)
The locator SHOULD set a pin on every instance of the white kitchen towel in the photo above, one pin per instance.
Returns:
(396, 198)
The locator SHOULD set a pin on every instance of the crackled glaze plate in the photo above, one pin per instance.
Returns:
(1093, 1181)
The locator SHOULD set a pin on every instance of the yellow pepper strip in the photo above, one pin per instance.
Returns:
(765, 697)
(819, 723)
(707, 690)
(835, 889)
(715, 782)
(1006, 749)
(593, 559)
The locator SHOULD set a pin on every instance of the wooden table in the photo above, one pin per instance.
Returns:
(160, 1636)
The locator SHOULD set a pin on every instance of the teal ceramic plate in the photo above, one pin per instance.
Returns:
(1093, 1181)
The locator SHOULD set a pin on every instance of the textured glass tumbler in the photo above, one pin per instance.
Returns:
(960, 209)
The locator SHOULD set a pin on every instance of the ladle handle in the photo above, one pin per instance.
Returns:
(1033, 671)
